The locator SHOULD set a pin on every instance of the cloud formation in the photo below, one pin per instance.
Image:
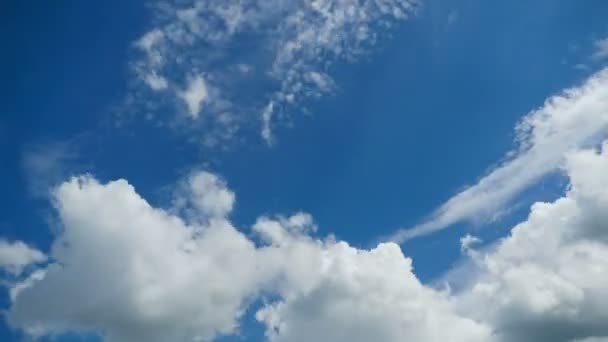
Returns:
(131, 272)
(15, 256)
(280, 51)
(546, 281)
(578, 117)
(136, 273)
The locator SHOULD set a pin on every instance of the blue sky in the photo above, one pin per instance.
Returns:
(379, 138)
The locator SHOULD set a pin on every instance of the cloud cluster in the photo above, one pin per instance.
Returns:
(201, 54)
(576, 118)
(547, 280)
(132, 272)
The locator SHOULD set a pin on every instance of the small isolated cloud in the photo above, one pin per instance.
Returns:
(132, 272)
(260, 56)
(15, 256)
(194, 95)
(566, 122)
(205, 195)
(601, 49)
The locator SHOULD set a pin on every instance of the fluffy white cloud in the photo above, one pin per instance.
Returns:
(136, 273)
(205, 195)
(358, 295)
(578, 117)
(14, 256)
(133, 272)
(286, 46)
(547, 280)
(544, 282)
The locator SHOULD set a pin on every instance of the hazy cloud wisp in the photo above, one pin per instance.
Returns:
(566, 122)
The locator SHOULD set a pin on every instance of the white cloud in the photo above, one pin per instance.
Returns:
(267, 122)
(290, 44)
(575, 118)
(204, 194)
(547, 280)
(136, 273)
(133, 272)
(149, 71)
(194, 95)
(543, 283)
(359, 296)
(15, 256)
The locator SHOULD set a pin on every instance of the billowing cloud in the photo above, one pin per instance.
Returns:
(578, 117)
(132, 272)
(279, 51)
(547, 280)
(136, 273)
(358, 295)
(15, 256)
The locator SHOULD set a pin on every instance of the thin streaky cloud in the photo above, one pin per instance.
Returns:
(568, 121)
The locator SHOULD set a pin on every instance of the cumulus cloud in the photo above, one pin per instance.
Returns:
(15, 256)
(204, 194)
(547, 280)
(136, 273)
(132, 272)
(578, 117)
(285, 48)
(359, 295)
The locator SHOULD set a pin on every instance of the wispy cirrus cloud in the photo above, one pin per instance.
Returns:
(256, 59)
(566, 122)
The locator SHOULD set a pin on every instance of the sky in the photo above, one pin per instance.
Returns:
(290, 170)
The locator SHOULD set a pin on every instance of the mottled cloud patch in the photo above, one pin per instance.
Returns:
(264, 59)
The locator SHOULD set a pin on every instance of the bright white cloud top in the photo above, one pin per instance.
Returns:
(576, 118)
(283, 48)
(132, 272)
